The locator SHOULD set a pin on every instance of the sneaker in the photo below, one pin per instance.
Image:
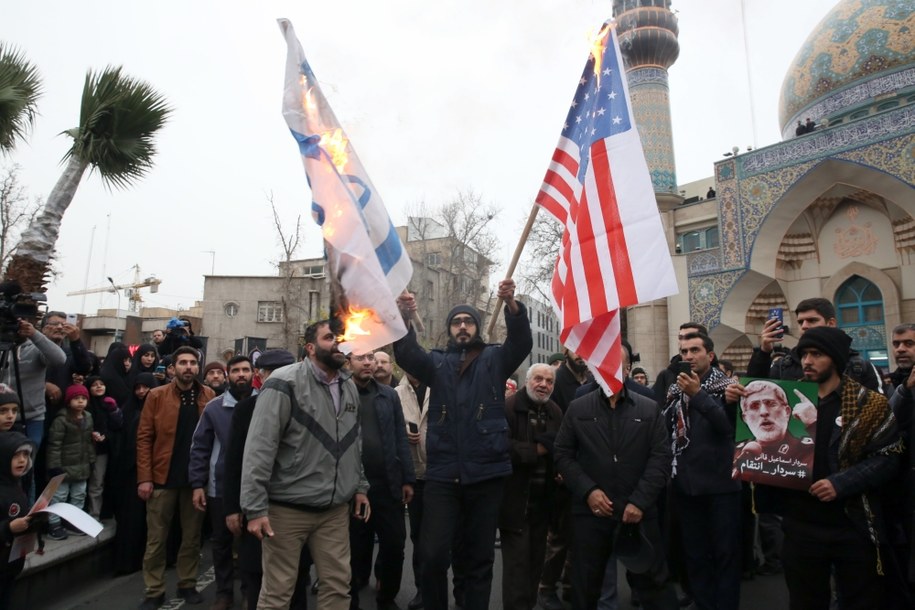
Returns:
(190, 596)
(548, 600)
(151, 603)
(57, 533)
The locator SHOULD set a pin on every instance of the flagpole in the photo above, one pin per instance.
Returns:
(522, 241)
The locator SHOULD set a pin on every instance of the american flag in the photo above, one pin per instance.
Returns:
(614, 252)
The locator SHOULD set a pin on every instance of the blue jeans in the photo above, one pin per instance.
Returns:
(73, 492)
(35, 431)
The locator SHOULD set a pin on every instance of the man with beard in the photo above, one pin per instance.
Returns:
(302, 468)
(903, 353)
(533, 421)
(66, 336)
(569, 376)
(389, 469)
(834, 528)
(207, 475)
(467, 443)
(164, 437)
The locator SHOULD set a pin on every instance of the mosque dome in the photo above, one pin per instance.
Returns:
(860, 50)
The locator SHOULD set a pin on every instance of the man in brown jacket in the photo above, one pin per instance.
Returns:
(533, 421)
(163, 453)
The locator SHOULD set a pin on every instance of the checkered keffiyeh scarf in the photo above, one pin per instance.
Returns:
(677, 410)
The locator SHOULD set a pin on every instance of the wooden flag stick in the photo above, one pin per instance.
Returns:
(522, 241)
(414, 317)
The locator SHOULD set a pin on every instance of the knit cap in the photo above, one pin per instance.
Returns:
(8, 395)
(75, 390)
(829, 340)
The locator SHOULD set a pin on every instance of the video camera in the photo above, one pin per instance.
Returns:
(15, 304)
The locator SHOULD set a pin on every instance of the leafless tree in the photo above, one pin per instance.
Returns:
(16, 212)
(540, 254)
(453, 248)
(289, 241)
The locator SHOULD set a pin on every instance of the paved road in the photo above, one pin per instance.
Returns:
(125, 592)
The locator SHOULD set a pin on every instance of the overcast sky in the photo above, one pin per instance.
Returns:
(436, 97)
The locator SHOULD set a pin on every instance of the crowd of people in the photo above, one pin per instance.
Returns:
(285, 465)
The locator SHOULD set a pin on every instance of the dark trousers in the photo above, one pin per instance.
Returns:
(711, 540)
(415, 508)
(387, 521)
(522, 556)
(592, 538)
(475, 508)
(556, 560)
(250, 568)
(814, 552)
(221, 539)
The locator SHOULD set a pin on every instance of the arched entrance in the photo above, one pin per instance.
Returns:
(860, 313)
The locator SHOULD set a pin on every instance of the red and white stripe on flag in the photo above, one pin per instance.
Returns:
(614, 252)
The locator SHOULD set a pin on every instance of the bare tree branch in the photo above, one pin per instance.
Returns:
(16, 212)
(540, 254)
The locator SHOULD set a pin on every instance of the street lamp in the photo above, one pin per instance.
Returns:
(117, 315)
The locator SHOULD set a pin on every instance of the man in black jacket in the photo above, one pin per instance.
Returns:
(614, 457)
(466, 442)
(389, 469)
(533, 421)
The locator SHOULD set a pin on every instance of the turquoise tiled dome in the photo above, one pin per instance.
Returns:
(857, 41)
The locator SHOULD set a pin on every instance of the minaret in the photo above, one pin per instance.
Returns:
(647, 31)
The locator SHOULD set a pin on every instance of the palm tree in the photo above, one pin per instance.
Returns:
(119, 118)
(20, 88)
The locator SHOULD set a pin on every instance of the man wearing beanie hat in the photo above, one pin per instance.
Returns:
(467, 444)
(835, 526)
(249, 548)
(214, 377)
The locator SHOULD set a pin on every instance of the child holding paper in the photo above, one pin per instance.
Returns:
(70, 451)
(15, 461)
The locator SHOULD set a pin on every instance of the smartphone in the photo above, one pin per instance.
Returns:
(71, 319)
(160, 369)
(779, 314)
(414, 429)
(362, 510)
(684, 367)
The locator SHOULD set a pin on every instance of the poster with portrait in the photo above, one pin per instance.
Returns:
(776, 429)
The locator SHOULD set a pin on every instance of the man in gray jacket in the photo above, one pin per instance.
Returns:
(302, 466)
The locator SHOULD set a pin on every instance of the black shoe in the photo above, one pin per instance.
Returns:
(417, 602)
(190, 596)
(74, 531)
(57, 533)
(151, 603)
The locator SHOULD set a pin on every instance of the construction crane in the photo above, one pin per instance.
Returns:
(131, 291)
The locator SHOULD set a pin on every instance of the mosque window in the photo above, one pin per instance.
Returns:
(698, 239)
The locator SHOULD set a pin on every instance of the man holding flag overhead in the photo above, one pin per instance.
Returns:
(599, 188)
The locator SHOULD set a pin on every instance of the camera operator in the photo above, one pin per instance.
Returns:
(34, 353)
(178, 333)
(66, 336)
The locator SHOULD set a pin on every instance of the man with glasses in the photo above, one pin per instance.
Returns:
(66, 336)
(467, 443)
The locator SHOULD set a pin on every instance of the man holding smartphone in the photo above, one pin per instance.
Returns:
(62, 330)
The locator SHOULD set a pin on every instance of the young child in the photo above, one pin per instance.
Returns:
(106, 419)
(15, 461)
(70, 451)
(9, 409)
